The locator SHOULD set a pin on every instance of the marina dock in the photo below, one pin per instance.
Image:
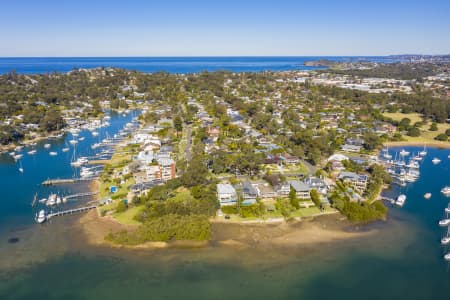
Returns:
(66, 181)
(79, 195)
(70, 211)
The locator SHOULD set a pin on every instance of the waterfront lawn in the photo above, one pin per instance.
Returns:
(414, 117)
(427, 136)
(128, 217)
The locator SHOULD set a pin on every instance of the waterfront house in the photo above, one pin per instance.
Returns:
(356, 181)
(302, 190)
(226, 194)
(249, 193)
(317, 183)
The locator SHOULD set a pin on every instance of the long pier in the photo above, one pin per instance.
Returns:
(66, 181)
(70, 211)
(79, 195)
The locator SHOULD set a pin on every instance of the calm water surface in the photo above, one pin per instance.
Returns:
(403, 260)
(29, 65)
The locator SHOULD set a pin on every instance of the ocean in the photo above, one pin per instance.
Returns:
(40, 65)
(401, 259)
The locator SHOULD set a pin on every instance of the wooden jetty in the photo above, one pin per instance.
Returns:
(70, 211)
(79, 195)
(66, 181)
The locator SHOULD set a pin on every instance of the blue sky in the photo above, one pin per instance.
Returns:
(223, 28)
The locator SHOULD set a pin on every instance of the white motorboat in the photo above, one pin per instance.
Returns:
(444, 222)
(65, 149)
(446, 191)
(79, 162)
(404, 152)
(18, 156)
(427, 196)
(51, 200)
(413, 164)
(447, 210)
(41, 217)
(53, 153)
(417, 158)
(32, 152)
(73, 142)
(447, 256)
(445, 240)
(94, 133)
(81, 139)
(400, 200)
(46, 146)
(435, 160)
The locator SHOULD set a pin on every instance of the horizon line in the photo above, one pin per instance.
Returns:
(223, 56)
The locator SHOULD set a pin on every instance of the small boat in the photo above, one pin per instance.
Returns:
(94, 133)
(447, 257)
(435, 160)
(65, 149)
(417, 158)
(18, 156)
(21, 170)
(73, 142)
(41, 217)
(413, 164)
(446, 191)
(427, 196)
(46, 146)
(81, 139)
(401, 200)
(18, 148)
(53, 153)
(444, 222)
(447, 210)
(32, 152)
(423, 152)
(404, 152)
(445, 240)
(51, 200)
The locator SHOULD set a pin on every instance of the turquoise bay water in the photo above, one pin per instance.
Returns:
(402, 259)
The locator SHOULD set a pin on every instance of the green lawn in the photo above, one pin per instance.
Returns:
(414, 117)
(127, 217)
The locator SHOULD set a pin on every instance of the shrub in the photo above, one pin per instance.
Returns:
(414, 131)
(433, 127)
(121, 207)
(442, 137)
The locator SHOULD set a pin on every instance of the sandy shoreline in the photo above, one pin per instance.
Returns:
(436, 144)
(323, 229)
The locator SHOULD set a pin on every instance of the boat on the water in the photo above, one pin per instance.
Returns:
(401, 200)
(447, 256)
(427, 196)
(32, 152)
(424, 151)
(444, 222)
(435, 160)
(73, 142)
(446, 191)
(46, 146)
(445, 240)
(404, 152)
(41, 217)
(18, 156)
(65, 149)
(53, 153)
